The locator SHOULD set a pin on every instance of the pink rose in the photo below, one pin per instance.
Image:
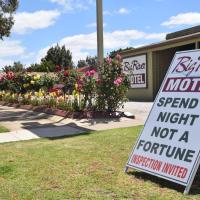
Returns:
(118, 57)
(118, 81)
(109, 60)
(1, 78)
(87, 73)
(90, 73)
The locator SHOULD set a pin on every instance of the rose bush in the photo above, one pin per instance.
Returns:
(68, 89)
(113, 85)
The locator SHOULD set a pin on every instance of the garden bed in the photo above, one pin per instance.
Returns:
(67, 114)
(69, 91)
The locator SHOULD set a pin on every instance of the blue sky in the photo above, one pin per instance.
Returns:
(41, 25)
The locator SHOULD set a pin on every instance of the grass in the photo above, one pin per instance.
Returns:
(3, 129)
(89, 166)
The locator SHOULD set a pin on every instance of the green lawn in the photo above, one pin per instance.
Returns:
(82, 167)
(3, 129)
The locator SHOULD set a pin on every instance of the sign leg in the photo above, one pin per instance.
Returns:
(126, 169)
(187, 189)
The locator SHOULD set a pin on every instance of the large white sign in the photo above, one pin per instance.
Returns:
(169, 145)
(136, 67)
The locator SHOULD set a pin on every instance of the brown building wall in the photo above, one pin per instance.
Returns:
(158, 61)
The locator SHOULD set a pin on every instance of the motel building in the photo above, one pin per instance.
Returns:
(147, 65)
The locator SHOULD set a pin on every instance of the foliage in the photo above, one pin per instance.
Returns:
(88, 88)
(23, 83)
(17, 67)
(81, 63)
(59, 56)
(7, 8)
(34, 68)
(113, 85)
(69, 79)
(68, 89)
(112, 54)
(45, 66)
(90, 61)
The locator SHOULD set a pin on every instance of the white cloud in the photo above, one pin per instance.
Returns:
(13, 50)
(123, 11)
(83, 44)
(80, 45)
(10, 48)
(4, 62)
(65, 3)
(93, 25)
(25, 21)
(106, 12)
(71, 5)
(91, 2)
(190, 18)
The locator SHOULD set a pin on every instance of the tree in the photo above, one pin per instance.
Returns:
(7, 8)
(45, 66)
(90, 61)
(81, 63)
(115, 52)
(59, 56)
(16, 67)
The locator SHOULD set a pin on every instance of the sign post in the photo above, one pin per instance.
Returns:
(168, 146)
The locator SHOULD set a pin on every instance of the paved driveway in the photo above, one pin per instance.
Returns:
(25, 125)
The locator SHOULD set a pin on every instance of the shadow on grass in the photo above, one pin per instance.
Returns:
(69, 136)
(195, 189)
(54, 131)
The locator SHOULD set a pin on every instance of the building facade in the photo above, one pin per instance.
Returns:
(147, 65)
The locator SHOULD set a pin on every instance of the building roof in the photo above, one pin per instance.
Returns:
(184, 32)
(164, 43)
(84, 69)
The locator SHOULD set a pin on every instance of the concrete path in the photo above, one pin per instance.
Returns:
(26, 125)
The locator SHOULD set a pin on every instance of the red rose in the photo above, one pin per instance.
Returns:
(66, 73)
(10, 75)
(1, 78)
(58, 68)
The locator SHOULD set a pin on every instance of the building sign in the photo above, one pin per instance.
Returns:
(136, 67)
(168, 146)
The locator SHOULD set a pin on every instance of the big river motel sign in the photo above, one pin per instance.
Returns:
(136, 69)
(169, 144)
